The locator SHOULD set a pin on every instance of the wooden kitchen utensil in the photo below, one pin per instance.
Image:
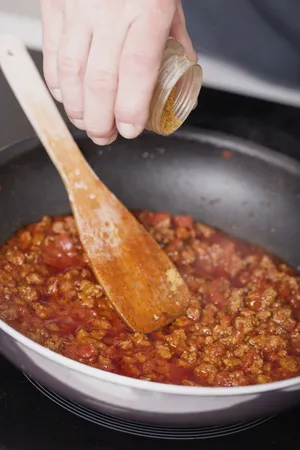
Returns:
(137, 276)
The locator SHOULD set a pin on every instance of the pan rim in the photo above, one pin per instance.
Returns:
(222, 141)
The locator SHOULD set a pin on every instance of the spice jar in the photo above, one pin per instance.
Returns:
(176, 91)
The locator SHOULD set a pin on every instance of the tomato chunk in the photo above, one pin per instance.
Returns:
(183, 221)
(61, 254)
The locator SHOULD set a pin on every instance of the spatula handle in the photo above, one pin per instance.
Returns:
(38, 105)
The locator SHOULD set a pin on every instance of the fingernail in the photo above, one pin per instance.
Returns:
(128, 131)
(57, 94)
(104, 141)
(78, 123)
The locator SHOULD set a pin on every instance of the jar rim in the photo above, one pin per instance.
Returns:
(186, 88)
(176, 66)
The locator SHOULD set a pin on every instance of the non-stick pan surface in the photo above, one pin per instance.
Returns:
(237, 186)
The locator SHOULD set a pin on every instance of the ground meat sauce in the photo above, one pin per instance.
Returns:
(242, 326)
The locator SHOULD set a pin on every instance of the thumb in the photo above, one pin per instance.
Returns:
(179, 32)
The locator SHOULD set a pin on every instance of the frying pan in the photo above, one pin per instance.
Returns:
(244, 189)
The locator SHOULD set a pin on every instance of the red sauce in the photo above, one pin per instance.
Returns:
(241, 327)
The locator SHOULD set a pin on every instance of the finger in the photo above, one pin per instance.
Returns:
(139, 66)
(180, 33)
(108, 140)
(101, 82)
(52, 21)
(72, 59)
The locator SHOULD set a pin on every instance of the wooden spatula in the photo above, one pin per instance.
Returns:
(138, 277)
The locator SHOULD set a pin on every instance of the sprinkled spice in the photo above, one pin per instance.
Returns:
(169, 121)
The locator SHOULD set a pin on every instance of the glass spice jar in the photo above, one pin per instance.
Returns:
(176, 92)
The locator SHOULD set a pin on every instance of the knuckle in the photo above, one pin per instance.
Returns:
(50, 46)
(70, 66)
(100, 79)
(129, 115)
(137, 64)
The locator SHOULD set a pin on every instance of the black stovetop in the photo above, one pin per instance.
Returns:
(29, 420)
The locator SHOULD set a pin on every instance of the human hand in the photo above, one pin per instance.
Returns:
(102, 58)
